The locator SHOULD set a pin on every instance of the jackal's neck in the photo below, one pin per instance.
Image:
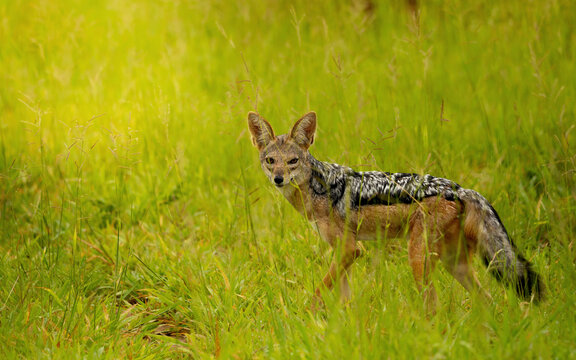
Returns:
(301, 195)
(319, 180)
(329, 180)
(325, 171)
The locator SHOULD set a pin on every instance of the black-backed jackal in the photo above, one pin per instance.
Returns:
(442, 220)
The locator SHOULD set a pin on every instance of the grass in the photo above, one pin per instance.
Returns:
(134, 219)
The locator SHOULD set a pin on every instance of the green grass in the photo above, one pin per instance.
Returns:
(135, 221)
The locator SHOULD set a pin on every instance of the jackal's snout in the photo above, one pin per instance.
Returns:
(278, 180)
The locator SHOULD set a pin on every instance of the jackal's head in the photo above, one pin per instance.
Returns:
(284, 158)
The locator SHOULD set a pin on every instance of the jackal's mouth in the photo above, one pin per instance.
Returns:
(283, 184)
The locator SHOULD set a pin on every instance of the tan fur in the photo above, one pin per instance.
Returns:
(435, 227)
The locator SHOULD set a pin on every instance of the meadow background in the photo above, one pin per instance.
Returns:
(135, 221)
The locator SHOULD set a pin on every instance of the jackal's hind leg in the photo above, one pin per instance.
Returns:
(457, 258)
(422, 258)
(466, 276)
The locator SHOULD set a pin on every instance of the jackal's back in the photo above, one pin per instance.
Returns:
(348, 188)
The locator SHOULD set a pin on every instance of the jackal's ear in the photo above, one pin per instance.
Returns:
(260, 129)
(304, 129)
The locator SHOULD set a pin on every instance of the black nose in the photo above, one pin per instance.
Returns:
(278, 180)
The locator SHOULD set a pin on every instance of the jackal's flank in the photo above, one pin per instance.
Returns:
(442, 220)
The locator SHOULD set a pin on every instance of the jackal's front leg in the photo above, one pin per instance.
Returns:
(339, 269)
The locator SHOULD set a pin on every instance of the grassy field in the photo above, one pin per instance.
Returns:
(135, 221)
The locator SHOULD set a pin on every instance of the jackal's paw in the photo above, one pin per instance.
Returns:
(316, 303)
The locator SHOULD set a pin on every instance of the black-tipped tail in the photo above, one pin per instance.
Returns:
(529, 286)
(527, 282)
(498, 251)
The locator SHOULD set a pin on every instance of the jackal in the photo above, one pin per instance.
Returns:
(442, 220)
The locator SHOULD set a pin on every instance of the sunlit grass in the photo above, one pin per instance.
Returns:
(134, 218)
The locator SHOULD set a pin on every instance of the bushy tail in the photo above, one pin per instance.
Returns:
(498, 251)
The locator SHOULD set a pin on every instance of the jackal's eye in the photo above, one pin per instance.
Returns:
(293, 161)
(269, 160)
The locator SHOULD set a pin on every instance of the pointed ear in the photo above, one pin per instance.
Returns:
(304, 129)
(260, 129)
